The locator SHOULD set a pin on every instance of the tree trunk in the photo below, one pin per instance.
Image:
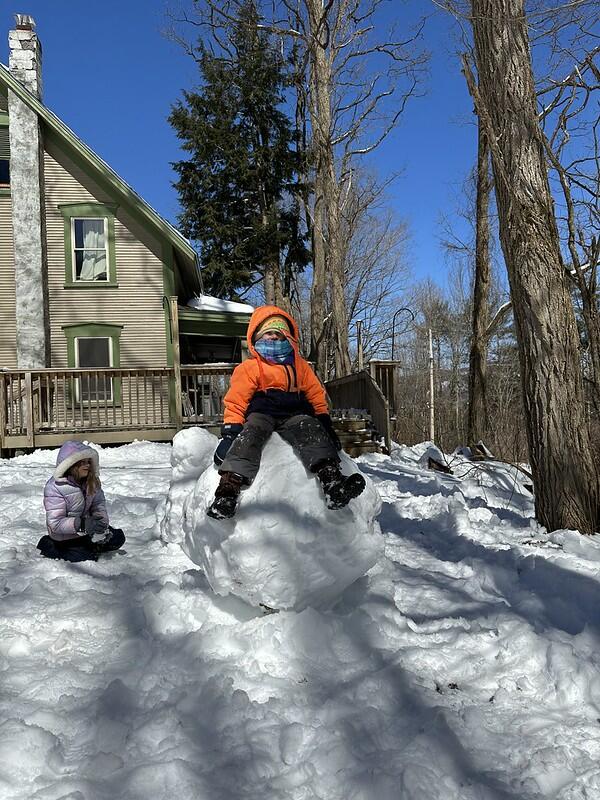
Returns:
(565, 479)
(478, 420)
(591, 319)
(318, 292)
(273, 288)
(269, 285)
(327, 199)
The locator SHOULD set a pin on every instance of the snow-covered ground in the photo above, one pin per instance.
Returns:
(464, 666)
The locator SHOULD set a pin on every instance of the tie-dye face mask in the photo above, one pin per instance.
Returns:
(275, 351)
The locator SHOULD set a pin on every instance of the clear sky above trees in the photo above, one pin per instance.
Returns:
(111, 75)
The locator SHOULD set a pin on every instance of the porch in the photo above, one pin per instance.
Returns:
(44, 407)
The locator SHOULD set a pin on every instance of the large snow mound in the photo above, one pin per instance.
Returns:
(284, 548)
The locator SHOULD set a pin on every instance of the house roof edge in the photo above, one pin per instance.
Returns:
(115, 180)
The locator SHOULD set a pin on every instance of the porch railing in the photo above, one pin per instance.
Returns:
(39, 407)
(359, 390)
(202, 389)
(44, 407)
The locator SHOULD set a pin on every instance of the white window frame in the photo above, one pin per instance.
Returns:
(74, 249)
(110, 396)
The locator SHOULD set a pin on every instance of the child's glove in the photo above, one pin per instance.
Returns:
(94, 526)
(101, 537)
(228, 433)
(326, 422)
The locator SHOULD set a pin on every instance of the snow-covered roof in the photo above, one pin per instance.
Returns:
(205, 302)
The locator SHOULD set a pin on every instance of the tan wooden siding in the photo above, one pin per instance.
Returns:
(8, 325)
(137, 303)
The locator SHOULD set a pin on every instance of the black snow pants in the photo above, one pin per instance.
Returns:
(305, 434)
(81, 548)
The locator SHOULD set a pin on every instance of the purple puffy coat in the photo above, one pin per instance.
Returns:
(66, 501)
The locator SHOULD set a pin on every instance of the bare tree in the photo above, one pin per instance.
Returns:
(352, 109)
(356, 81)
(571, 122)
(565, 478)
(478, 424)
(376, 271)
(376, 268)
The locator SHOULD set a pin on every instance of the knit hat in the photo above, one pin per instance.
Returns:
(274, 323)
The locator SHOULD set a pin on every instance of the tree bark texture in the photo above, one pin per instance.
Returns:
(591, 319)
(478, 425)
(328, 199)
(318, 291)
(565, 479)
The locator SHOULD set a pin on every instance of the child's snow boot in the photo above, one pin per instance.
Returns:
(226, 496)
(339, 489)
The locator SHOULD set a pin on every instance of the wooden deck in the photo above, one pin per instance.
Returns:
(40, 408)
(45, 407)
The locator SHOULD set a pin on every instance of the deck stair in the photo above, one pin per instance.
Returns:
(356, 432)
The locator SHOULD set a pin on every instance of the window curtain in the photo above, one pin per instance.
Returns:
(93, 266)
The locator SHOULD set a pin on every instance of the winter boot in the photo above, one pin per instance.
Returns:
(226, 496)
(339, 489)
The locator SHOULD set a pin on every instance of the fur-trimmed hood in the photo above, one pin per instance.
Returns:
(70, 453)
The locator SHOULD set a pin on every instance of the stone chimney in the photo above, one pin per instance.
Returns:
(25, 54)
(27, 199)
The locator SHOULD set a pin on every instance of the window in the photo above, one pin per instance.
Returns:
(89, 245)
(90, 352)
(95, 346)
(4, 157)
(90, 255)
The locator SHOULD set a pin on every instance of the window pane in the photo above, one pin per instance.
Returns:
(4, 172)
(90, 265)
(94, 352)
(89, 233)
(92, 389)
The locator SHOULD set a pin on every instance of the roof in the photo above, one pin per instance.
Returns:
(117, 184)
(205, 302)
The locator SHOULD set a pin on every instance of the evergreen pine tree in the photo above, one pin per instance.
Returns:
(239, 187)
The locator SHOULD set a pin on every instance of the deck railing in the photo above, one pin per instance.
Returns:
(39, 407)
(202, 390)
(360, 391)
(44, 407)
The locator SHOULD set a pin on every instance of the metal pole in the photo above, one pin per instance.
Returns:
(431, 398)
(359, 345)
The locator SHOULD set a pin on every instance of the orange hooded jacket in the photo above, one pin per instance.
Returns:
(297, 382)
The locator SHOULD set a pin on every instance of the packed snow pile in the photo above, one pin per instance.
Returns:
(463, 666)
(284, 548)
(191, 455)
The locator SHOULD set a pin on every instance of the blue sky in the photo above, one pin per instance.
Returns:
(112, 76)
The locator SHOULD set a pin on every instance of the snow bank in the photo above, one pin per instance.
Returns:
(284, 548)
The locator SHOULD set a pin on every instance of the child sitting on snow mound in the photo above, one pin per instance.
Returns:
(76, 515)
(276, 390)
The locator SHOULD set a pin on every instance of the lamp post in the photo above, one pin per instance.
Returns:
(412, 319)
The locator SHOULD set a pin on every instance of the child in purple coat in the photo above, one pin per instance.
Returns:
(76, 515)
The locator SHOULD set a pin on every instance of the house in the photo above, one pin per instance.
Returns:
(91, 279)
